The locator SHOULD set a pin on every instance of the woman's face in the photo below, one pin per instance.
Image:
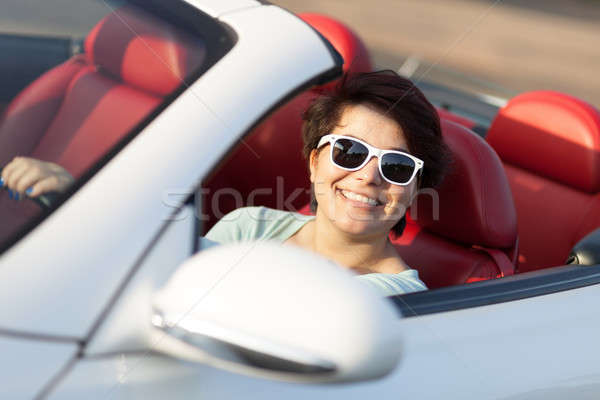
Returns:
(336, 189)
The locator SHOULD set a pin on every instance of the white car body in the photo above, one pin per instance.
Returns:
(67, 292)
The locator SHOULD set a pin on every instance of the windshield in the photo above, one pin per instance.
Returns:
(79, 78)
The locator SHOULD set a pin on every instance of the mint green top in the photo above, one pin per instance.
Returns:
(261, 223)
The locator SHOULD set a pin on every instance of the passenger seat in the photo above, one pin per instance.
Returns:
(549, 143)
(465, 230)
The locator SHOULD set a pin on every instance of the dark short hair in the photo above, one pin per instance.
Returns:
(396, 97)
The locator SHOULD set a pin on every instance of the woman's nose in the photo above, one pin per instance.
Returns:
(370, 172)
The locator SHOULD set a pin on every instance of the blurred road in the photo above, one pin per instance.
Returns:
(52, 18)
(518, 45)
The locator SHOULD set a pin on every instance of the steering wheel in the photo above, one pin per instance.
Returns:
(44, 201)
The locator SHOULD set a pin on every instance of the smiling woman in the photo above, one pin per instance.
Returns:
(371, 145)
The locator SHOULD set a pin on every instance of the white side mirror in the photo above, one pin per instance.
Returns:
(276, 311)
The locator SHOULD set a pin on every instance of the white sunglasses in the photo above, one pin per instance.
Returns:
(351, 154)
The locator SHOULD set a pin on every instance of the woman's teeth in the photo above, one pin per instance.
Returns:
(358, 197)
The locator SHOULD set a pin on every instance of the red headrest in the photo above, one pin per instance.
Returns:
(551, 134)
(475, 202)
(143, 51)
(345, 41)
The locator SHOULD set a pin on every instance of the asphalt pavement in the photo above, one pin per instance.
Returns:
(501, 47)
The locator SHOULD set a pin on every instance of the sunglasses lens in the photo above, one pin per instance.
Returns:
(348, 153)
(397, 167)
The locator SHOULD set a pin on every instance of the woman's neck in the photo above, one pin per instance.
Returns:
(363, 254)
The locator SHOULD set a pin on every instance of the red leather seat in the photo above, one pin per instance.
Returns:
(550, 145)
(273, 150)
(344, 40)
(471, 234)
(74, 113)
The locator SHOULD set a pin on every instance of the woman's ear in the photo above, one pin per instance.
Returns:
(312, 164)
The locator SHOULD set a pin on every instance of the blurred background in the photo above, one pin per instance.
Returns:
(496, 47)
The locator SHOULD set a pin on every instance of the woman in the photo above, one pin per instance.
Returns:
(371, 145)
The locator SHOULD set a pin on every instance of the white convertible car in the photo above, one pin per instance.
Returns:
(170, 113)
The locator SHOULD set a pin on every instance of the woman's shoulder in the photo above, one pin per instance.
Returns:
(261, 214)
(253, 223)
(403, 282)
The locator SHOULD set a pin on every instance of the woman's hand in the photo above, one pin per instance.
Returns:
(33, 177)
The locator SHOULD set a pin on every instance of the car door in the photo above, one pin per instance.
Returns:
(528, 337)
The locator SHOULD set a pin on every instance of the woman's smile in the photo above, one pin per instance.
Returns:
(357, 199)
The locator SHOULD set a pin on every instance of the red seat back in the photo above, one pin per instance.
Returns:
(466, 230)
(268, 168)
(550, 145)
(344, 40)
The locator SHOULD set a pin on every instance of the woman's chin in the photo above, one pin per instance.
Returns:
(361, 227)
(357, 219)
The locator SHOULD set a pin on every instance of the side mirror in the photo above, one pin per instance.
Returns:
(275, 311)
